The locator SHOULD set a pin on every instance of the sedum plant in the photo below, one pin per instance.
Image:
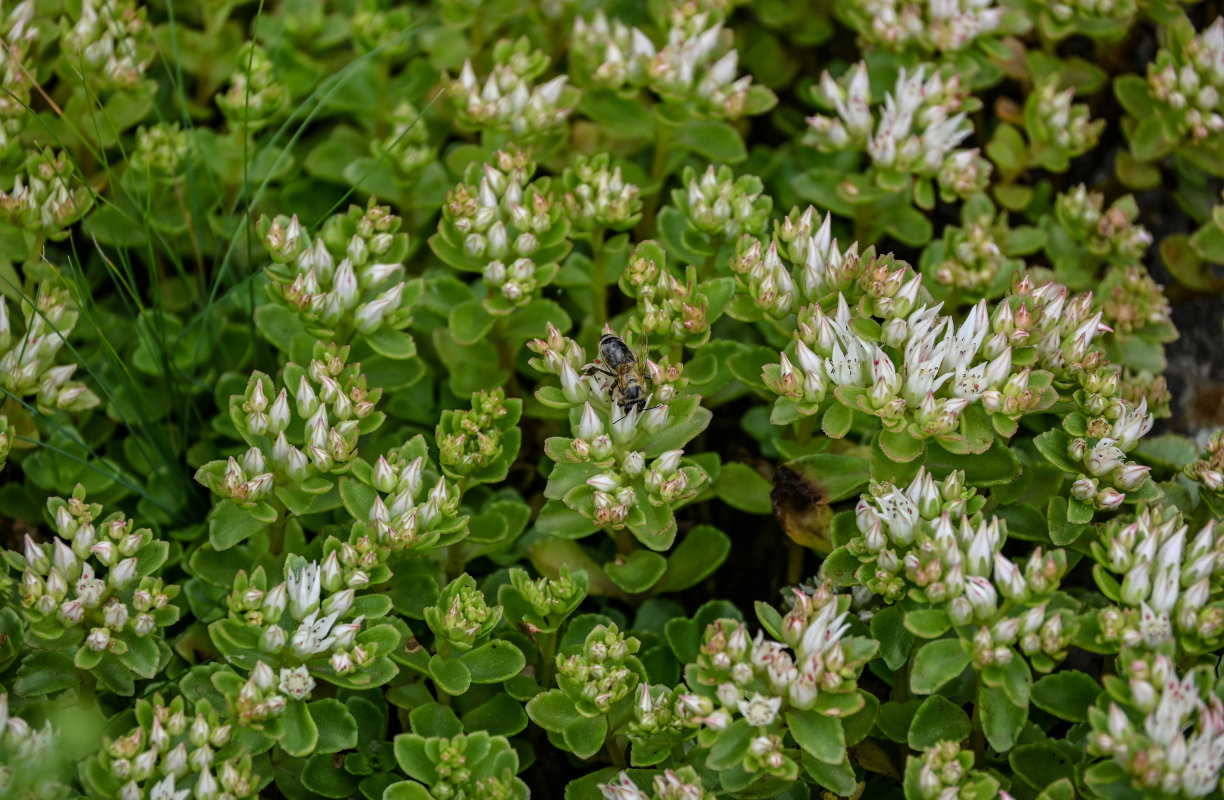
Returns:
(677, 400)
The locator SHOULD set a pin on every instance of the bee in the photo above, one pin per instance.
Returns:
(618, 362)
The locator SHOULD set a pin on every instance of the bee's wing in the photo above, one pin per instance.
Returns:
(642, 351)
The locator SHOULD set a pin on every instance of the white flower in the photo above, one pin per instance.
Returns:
(312, 637)
(165, 790)
(760, 710)
(303, 588)
(296, 682)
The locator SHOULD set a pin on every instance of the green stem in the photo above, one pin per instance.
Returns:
(548, 660)
(276, 532)
(616, 750)
(444, 698)
(803, 428)
(658, 171)
(599, 283)
(455, 553)
(505, 357)
(978, 737)
(624, 542)
(86, 689)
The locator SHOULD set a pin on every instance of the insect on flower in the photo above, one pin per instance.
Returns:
(619, 362)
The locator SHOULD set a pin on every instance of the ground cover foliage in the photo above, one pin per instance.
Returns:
(318, 483)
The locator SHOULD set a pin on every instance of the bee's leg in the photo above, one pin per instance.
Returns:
(593, 370)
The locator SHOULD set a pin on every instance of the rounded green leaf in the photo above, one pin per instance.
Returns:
(938, 719)
(493, 661)
(937, 663)
(1067, 694)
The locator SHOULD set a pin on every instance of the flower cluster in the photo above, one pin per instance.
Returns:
(27, 755)
(1053, 122)
(762, 682)
(350, 278)
(672, 310)
(697, 64)
(974, 257)
(609, 445)
(923, 26)
(508, 99)
(1106, 233)
(333, 407)
(931, 544)
(597, 196)
(920, 124)
(1186, 81)
(939, 370)
(160, 149)
(404, 516)
(461, 615)
(1170, 582)
(1165, 730)
(407, 144)
(1208, 470)
(510, 230)
(603, 672)
(680, 784)
(172, 754)
(110, 42)
(46, 196)
(19, 35)
(1104, 18)
(27, 363)
(255, 99)
(1100, 455)
(946, 771)
(258, 701)
(722, 206)
(471, 440)
(544, 603)
(1131, 301)
(465, 765)
(63, 586)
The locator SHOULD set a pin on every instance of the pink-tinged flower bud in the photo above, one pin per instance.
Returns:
(144, 625)
(342, 663)
(115, 614)
(1109, 498)
(65, 560)
(274, 602)
(175, 762)
(574, 387)
(263, 676)
(981, 596)
(72, 612)
(1131, 477)
(123, 574)
(1084, 490)
(278, 414)
(35, 556)
(589, 426)
(339, 603)
(605, 482)
(330, 575)
(273, 639)
(1137, 584)
(56, 586)
(98, 639)
(668, 462)
(655, 418)
(206, 787)
(1009, 580)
